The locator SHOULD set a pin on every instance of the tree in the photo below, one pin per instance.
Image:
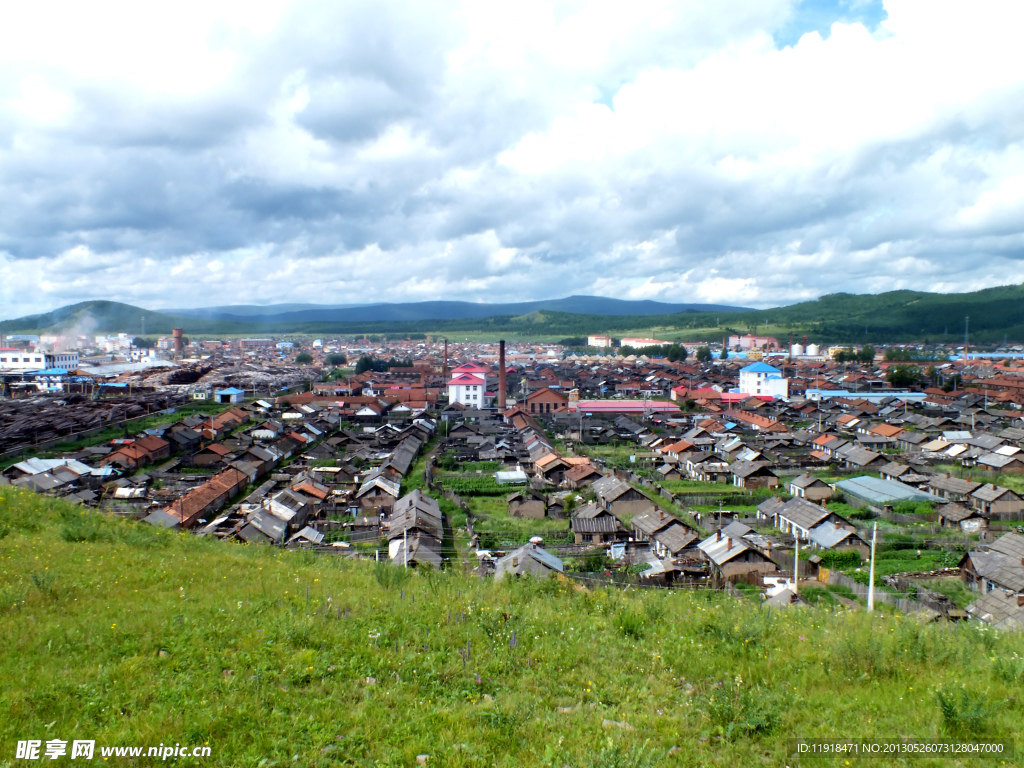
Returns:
(846, 356)
(141, 342)
(303, 358)
(336, 359)
(676, 353)
(364, 364)
(704, 355)
(903, 375)
(725, 354)
(866, 355)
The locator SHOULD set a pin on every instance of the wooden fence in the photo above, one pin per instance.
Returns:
(899, 602)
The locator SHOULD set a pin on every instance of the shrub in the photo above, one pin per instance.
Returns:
(83, 527)
(963, 713)
(630, 623)
(1009, 669)
(390, 576)
(840, 559)
(735, 711)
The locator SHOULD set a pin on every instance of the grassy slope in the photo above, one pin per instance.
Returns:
(134, 636)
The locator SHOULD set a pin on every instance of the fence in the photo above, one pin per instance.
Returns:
(900, 602)
(72, 436)
(635, 582)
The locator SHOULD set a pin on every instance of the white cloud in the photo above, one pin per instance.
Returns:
(387, 151)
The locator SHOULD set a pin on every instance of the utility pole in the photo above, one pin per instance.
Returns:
(796, 566)
(871, 570)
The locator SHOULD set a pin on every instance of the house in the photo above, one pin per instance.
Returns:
(527, 504)
(799, 516)
(993, 500)
(709, 467)
(753, 474)
(670, 472)
(731, 555)
(378, 491)
(828, 535)
(581, 476)
(593, 525)
(212, 455)
(417, 550)
(857, 457)
(668, 536)
(806, 486)
(551, 467)
(416, 518)
(529, 559)
(229, 395)
(207, 498)
(546, 400)
(619, 497)
(998, 462)
(999, 566)
(956, 515)
(951, 488)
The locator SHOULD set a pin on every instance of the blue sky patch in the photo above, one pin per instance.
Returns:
(819, 16)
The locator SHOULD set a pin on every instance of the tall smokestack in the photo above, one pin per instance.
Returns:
(179, 341)
(444, 364)
(501, 376)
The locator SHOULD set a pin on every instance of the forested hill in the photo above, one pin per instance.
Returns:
(995, 314)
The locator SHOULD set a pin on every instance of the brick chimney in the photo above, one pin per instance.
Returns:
(501, 376)
(444, 363)
(728, 544)
(718, 535)
(661, 514)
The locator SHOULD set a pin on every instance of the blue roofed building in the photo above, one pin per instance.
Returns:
(229, 395)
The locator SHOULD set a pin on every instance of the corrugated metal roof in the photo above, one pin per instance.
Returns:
(877, 491)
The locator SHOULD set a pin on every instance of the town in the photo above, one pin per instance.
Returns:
(763, 469)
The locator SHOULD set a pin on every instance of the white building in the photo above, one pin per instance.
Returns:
(636, 342)
(469, 386)
(602, 342)
(763, 379)
(19, 360)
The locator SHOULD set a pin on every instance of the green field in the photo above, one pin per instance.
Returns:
(494, 517)
(127, 635)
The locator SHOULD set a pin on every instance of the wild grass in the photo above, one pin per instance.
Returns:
(130, 635)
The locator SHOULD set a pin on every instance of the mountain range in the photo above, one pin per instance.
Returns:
(996, 314)
(440, 310)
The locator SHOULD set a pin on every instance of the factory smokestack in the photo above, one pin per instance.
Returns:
(179, 341)
(501, 376)
(444, 364)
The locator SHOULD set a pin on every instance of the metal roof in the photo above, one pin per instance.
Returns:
(877, 491)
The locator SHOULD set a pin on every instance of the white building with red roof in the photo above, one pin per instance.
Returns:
(470, 386)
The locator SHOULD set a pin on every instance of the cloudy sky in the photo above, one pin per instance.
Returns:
(755, 152)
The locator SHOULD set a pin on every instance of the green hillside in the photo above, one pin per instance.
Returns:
(131, 636)
(113, 317)
(995, 314)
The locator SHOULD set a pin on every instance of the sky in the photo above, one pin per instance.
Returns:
(749, 152)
